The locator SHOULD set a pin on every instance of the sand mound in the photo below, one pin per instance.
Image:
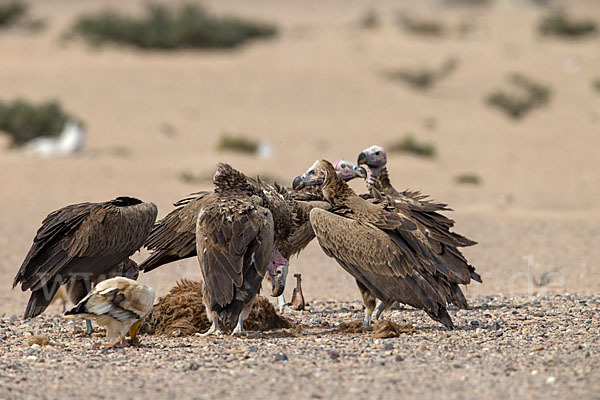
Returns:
(181, 313)
(384, 329)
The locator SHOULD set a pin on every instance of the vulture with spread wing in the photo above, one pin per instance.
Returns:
(235, 238)
(81, 244)
(426, 214)
(378, 245)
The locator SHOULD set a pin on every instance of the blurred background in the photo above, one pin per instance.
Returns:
(492, 106)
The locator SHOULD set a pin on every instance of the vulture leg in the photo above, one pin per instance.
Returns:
(379, 309)
(214, 328)
(369, 301)
(281, 303)
(239, 328)
(88, 327)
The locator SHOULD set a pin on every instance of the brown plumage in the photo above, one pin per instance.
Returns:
(297, 296)
(378, 245)
(234, 243)
(84, 242)
(426, 214)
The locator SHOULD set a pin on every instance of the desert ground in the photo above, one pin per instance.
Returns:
(318, 90)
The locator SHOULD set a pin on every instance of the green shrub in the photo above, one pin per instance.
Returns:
(12, 12)
(187, 26)
(24, 121)
(424, 78)
(409, 144)
(468, 179)
(237, 143)
(528, 96)
(559, 24)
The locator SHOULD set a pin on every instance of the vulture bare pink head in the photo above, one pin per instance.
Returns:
(347, 170)
(278, 270)
(320, 172)
(373, 157)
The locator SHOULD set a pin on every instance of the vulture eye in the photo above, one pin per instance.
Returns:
(311, 172)
(376, 153)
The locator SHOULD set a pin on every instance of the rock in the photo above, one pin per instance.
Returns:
(474, 322)
(388, 346)
(334, 355)
(495, 325)
(399, 358)
(281, 357)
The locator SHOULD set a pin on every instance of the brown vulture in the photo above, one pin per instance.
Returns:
(82, 244)
(119, 304)
(235, 238)
(378, 245)
(426, 214)
(174, 237)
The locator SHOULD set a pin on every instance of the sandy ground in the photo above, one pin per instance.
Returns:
(318, 91)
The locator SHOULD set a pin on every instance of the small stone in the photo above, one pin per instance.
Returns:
(495, 326)
(253, 349)
(334, 355)
(399, 358)
(281, 357)
(534, 372)
(388, 346)
(550, 380)
(449, 356)
(474, 322)
(192, 366)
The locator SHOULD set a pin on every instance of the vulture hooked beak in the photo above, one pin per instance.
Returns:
(278, 270)
(360, 172)
(362, 158)
(298, 183)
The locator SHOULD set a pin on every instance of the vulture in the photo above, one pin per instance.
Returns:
(119, 304)
(426, 214)
(235, 239)
(174, 237)
(379, 245)
(82, 244)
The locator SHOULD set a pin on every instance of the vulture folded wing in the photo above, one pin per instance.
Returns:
(371, 256)
(120, 298)
(233, 244)
(302, 233)
(174, 237)
(84, 240)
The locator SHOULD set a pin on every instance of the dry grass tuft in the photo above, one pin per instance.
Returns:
(182, 312)
(385, 329)
(352, 327)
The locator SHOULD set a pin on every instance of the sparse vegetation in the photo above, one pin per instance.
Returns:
(409, 144)
(237, 143)
(24, 121)
(468, 179)
(424, 78)
(12, 12)
(596, 85)
(528, 96)
(369, 20)
(558, 23)
(421, 27)
(162, 27)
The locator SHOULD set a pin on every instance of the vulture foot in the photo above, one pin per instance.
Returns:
(239, 328)
(119, 344)
(378, 309)
(367, 319)
(213, 330)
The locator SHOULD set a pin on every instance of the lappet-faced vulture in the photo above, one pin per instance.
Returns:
(173, 238)
(426, 214)
(235, 239)
(378, 245)
(81, 244)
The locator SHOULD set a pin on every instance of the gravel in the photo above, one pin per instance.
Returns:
(535, 347)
